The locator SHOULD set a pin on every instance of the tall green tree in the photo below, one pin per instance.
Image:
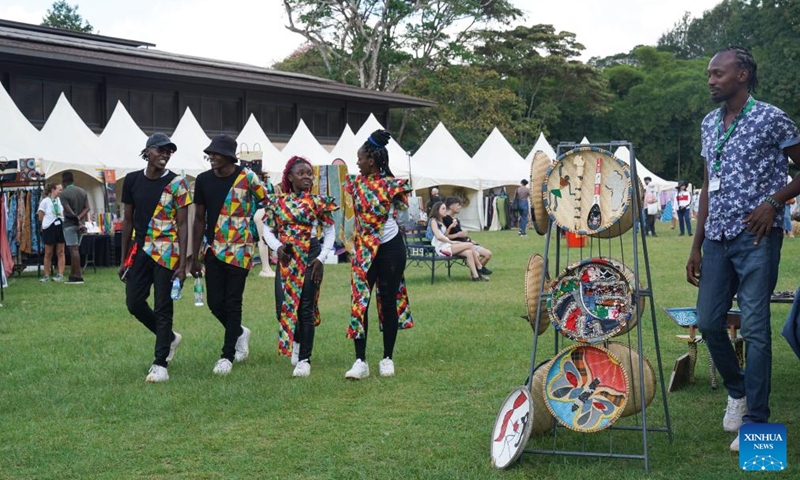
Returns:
(659, 110)
(383, 43)
(65, 16)
(470, 101)
(560, 95)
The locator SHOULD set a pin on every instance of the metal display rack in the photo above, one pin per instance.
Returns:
(576, 442)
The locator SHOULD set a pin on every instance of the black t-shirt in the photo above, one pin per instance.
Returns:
(447, 220)
(144, 194)
(211, 191)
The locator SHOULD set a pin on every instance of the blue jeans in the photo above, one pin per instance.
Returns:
(736, 266)
(524, 210)
(685, 218)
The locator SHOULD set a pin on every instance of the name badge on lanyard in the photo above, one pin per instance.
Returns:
(714, 184)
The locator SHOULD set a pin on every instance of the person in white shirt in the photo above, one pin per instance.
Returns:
(684, 206)
(51, 216)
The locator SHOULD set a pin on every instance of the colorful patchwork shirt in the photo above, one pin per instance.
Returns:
(373, 196)
(233, 235)
(161, 240)
(294, 218)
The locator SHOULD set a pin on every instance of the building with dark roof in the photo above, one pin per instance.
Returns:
(94, 72)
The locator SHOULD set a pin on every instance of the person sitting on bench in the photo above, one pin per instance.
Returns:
(445, 246)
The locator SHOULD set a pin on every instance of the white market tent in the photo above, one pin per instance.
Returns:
(122, 142)
(68, 144)
(660, 184)
(346, 149)
(499, 163)
(191, 140)
(541, 145)
(253, 138)
(441, 162)
(18, 138)
(398, 158)
(305, 145)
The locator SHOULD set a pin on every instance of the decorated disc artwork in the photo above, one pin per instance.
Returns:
(592, 300)
(512, 428)
(587, 191)
(586, 388)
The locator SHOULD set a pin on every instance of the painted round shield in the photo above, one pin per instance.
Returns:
(592, 300)
(586, 388)
(512, 428)
(587, 191)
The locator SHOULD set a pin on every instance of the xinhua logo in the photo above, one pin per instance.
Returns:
(762, 447)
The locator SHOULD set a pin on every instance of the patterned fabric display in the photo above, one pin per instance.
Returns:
(373, 196)
(292, 217)
(233, 238)
(162, 231)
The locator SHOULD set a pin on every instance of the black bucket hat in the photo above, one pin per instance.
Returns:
(223, 145)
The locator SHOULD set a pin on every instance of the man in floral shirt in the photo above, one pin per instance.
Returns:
(745, 145)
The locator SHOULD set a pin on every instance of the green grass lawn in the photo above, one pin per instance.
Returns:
(74, 404)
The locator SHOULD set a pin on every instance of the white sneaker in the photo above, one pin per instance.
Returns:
(303, 369)
(360, 370)
(174, 346)
(295, 353)
(223, 367)
(735, 444)
(733, 414)
(242, 346)
(268, 273)
(157, 374)
(386, 367)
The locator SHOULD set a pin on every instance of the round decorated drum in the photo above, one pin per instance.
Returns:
(586, 388)
(629, 359)
(512, 428)
(625, 222)
(592, 300)
(587, 191)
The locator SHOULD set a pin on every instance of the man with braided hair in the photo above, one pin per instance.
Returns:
(379, 253)
(736, 249)
(291, 225)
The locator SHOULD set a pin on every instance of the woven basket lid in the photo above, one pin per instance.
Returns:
(539, 166)
(533, 284)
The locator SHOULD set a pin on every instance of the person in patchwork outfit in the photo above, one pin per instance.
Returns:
(225, 199)
(155, 201)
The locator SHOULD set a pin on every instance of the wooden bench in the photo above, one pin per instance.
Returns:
(420, 252)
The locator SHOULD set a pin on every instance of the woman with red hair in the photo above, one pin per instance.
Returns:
(292, 221)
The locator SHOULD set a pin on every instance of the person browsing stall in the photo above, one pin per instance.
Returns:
(225, 198)
(736, 247)
(155, 203)
(51, 218)
(76, 208)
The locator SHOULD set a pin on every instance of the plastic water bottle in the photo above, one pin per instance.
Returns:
(198, 291)
(176, 289)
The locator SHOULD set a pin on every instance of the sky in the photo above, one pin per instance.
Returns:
(252, 31)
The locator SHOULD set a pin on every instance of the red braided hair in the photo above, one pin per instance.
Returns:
(286, 185)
